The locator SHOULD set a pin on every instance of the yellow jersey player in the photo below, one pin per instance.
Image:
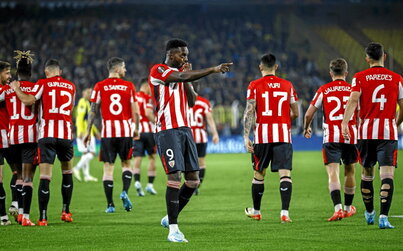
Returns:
(83, 109)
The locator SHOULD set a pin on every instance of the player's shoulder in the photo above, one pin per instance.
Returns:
(202, 99)
(159, 68)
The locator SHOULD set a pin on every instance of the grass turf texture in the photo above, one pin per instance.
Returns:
(214, 219)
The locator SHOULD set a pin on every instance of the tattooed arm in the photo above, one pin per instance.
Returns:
(91, 118)
(249, 119)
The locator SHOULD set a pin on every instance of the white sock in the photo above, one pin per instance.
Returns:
(347, 208)
(5, 217)
(383, 216)
(337, 207)
(284, 212)
(14, 203)
(173, 228)
(20, 210)
(256, 211)
(86, 166)
(26, 216)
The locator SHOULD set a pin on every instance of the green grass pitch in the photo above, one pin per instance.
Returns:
(214, 220)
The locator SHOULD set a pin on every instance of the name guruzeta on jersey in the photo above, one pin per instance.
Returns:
(115, 87)
(60, 84)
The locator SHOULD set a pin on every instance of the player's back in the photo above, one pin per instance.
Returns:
(380, 89)
(273, 97)
(144, 103)
(197, 114)
(115, 96)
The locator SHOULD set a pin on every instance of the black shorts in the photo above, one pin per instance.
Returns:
(50, 147)
(201, 150)
(5, 154)
(145, 143)
(382, 151)
(111, 147)
(26, 153)
(336, 152)
(177, 150)
(279, 154)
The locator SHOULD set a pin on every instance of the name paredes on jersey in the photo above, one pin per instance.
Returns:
(379, 77)
(338, 89)
(60, 84)
(115, 88)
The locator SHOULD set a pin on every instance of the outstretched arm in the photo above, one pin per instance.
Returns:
(350, 108)
(27, 99)
(310, 113)
(192, 75)
(248, 120)
(213, 128)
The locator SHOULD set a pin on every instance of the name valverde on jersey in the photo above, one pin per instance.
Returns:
(380, 91)
(333, 98)
(169, 98)
(197, 118)
(273, 97)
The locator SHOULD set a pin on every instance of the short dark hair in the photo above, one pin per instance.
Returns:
(24, 67)
(175, 43)
(338, 66)
(4, 65)
(374, 51)
(113, 62)
(268, 60)
(52, 63)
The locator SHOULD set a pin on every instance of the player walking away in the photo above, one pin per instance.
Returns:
(333, 97)
(5, 77)
(56, 96)
(88, 153)
(272, 105)
(200, 115)
(172, 95)
(23, 133)
(117, 100)
(146, 141)
(376, 90)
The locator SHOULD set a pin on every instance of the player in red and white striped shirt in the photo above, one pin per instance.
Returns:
(146, 142)
(201, 115)
(376, 91)
(56, 96)
(172, 94)
(117, 100)
(333, 97)
(5, 77)
(272, 105)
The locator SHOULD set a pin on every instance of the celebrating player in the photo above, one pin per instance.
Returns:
(200, 114)
(117, 100)
(83, 109)
(377, 91)
(332, 97)
(172, 96)
(56, 96)
(272, 105)
(146, 141)
(5, 77)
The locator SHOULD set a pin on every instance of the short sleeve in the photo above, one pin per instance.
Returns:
(400, 88)
(251, 93)
(208, 107)
(293, 95)
(355, 84)
(149, 103)
(317, 99)
(159, 73)
(38, 90)
(96, 95)
(2, 94)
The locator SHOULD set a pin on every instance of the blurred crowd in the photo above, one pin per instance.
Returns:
(83, 39)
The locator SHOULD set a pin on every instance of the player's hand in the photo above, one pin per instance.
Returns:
(345, 132)
(187, 67)
(216, 139)
(98, 135)
(248, 145)
(86, 139)
(223, 68)
(308, 133)
(15, 84)
(136, 135)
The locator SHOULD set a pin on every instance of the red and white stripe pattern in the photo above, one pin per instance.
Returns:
(197, 116)
(20, 134)
(199, 135)
(3, 139)
(116, 128)
(4, 120)
(60, 129)
(332, 134)
(385, 129)
(143, 100)
(170, 99)
(272, 133)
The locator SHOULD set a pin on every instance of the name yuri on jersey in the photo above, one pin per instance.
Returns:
(379, 77)
(338, 89)
(115, 87)
(60, 84)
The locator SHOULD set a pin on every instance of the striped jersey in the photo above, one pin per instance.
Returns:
(116, 97)
(23, 119)
(380, 91)
(333, 98)
(145, 102)
(273, 96)
(197, 117)
(56, 96)
(4, 121)
(170, 99)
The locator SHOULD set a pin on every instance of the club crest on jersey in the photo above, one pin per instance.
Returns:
(171, 163)
(161, 69)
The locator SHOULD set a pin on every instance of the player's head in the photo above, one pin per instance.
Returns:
(117, 66)
(375, 53)
(87, 93)
(24, 62)
(144, 86)
(5, 72)
(268, 63)
(338, 68)
(176, 53)
(52, 68)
